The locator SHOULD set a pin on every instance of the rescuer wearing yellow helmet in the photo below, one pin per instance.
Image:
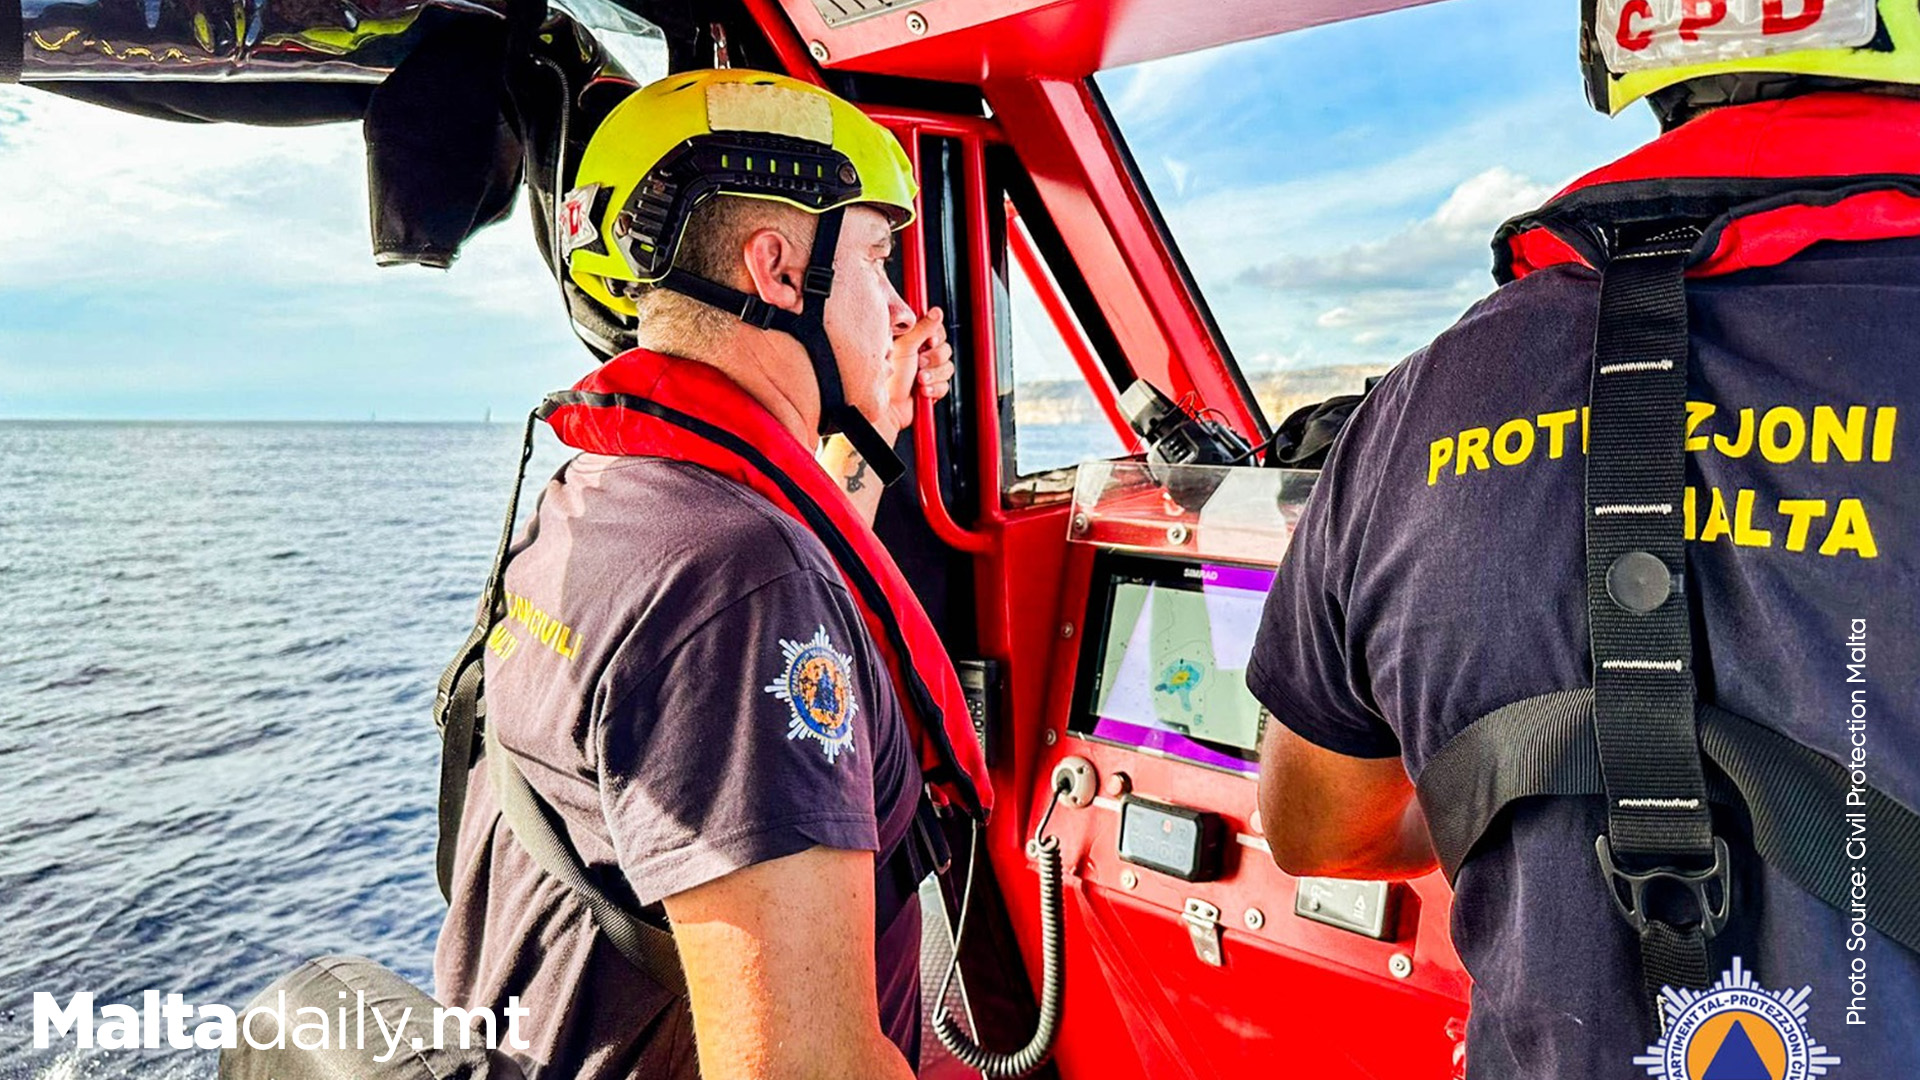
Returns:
(1694, 55)
(1621, 567)
(667, 155)
(683, 678)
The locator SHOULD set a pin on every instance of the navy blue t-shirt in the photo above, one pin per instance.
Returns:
(1438, 574)
(683, 676)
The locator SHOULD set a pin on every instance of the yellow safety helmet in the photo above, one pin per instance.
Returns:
(700, 134)
(1726, 52)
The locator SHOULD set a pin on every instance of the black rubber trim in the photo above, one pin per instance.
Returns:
(943, 227)
(1584, 218)
(13, 41)
(863, 88)
(949, 772)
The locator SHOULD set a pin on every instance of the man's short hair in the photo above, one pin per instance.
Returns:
(716, 231)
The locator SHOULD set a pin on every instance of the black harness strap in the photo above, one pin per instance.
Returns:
(460, 711)
(647, 947)
(1799, 800)
(809, 328)
(1659, 825)
(1795, 798)
(1541, 746)
(458, 708)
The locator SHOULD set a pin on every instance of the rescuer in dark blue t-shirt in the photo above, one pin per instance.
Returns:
(706, 672)
(1439, 572)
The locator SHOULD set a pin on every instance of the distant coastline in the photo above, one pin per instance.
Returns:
(1069, 401)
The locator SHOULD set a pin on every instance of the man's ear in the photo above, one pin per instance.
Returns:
(776, 266)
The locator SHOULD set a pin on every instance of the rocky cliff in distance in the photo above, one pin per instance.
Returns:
(1069, 401)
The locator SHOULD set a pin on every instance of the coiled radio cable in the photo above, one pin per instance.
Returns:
(1025, 1060)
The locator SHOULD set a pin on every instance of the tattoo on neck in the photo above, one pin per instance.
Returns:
(856, 479)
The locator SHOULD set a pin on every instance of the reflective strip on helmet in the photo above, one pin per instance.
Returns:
(770, 110)
(1651, 35)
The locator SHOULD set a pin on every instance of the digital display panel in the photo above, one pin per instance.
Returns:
(1165, 661)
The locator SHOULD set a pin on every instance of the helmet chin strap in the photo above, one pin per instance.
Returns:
(809, 328)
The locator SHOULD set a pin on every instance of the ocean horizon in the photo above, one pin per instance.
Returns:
(215, 701)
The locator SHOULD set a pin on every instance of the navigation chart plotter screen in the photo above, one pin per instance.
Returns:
(1163, 668)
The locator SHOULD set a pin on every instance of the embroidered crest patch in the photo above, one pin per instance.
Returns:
(816, 682)
(1735, 1030)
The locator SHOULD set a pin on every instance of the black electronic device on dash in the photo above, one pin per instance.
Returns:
(1175, 840)
(1173, 436)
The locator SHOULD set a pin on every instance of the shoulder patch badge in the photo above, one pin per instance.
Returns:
(816, 682)
(1736, 1030)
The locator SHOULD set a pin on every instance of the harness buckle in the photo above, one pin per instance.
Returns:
(757, 313)
(1632, 903)
(818, 281)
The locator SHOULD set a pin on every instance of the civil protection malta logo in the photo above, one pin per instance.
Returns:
(1735, 1030)
(817, 686)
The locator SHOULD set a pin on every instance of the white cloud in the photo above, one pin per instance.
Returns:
(1179, 171)
(1366, 263)
(1481, 204)
(1227, 229)
(96, 195)
(1268, 361)
(84, 181)
(1429, 253)
(233, 265)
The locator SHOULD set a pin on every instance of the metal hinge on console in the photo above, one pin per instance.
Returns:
(1203, 926)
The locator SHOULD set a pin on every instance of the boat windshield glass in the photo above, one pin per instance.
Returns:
(1334, 191)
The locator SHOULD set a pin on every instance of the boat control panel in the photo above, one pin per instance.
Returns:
(1156, 738)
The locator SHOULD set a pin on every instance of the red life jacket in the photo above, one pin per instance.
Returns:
(643, 404)
(1780, 176)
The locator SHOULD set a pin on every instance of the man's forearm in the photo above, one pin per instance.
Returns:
(1403, 852)
(775, 998)
(853, 474)
(1329, 815)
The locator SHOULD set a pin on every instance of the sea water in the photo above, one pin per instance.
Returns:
(217, 667)
(216, 677)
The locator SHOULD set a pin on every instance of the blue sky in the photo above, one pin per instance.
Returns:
(152, 270)
(1333, 191)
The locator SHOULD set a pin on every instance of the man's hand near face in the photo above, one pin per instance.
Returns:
(920, 365)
